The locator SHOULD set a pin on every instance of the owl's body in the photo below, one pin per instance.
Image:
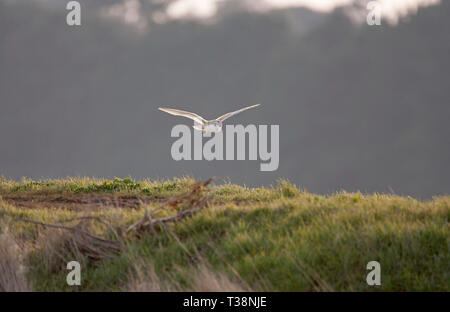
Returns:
(210, 126)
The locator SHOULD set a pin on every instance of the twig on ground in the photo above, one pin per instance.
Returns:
(99, 248)
(186, 204)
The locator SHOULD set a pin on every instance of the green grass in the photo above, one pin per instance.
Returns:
(127, 186)
(278, 238)
(92, 185)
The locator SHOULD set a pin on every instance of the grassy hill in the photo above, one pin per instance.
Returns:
(280, 238)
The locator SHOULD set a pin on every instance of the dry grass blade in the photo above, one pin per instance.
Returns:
(202, 279)
(145, 279)
(12, 272)
(206, 280)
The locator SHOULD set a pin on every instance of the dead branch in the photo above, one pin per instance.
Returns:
(186, 205)
(98, 248)
(84, 242)
(73, 229)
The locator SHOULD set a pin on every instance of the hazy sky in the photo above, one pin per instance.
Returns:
(129, 10)
(359, 107)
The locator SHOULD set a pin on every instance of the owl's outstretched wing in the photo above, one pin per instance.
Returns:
(178, 112)
(228, 115)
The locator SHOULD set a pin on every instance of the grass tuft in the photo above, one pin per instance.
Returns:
(12, 270)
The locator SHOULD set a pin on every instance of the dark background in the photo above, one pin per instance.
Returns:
(359, 107)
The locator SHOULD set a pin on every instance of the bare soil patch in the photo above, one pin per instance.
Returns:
(75, 201)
